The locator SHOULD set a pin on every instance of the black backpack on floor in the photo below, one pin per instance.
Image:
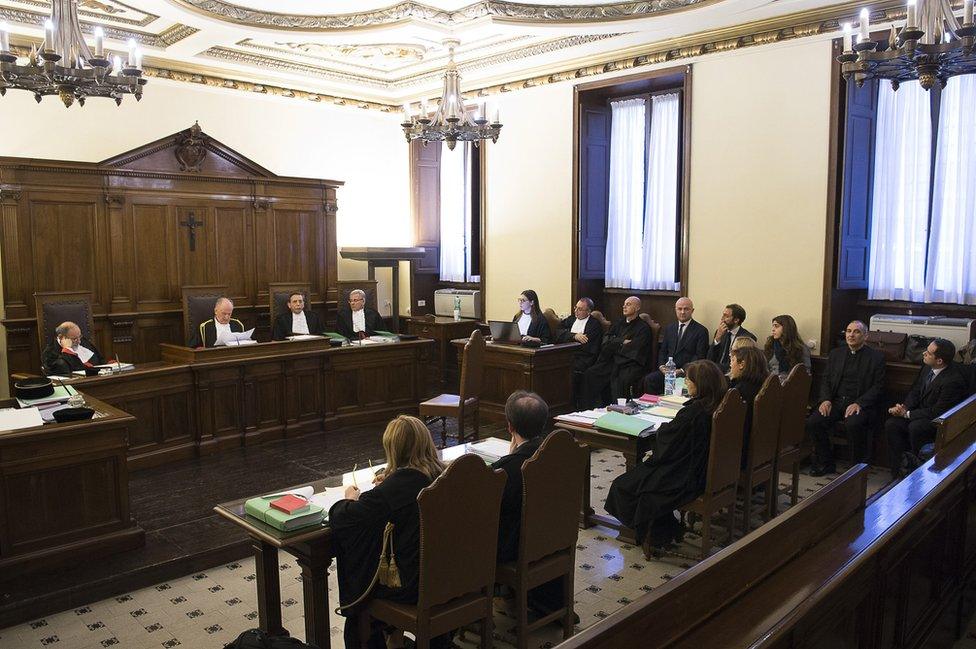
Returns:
(258, 639)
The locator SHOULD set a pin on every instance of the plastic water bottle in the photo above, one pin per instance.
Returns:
(670, 376)
(457, 308)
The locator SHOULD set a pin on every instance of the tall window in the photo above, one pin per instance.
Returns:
(642, 217)
(915, 197)
(457, 250)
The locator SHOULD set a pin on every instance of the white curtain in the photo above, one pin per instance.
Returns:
(661, 205)
(951, 273)
(900, 207)
(454, 211)
(626, 209)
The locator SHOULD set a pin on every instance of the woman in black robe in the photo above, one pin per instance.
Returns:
(644, 498)
(748, 370)
(532, 322)
(358, 524)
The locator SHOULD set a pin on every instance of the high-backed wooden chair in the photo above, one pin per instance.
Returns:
(278, 294)
(198, 306)
(463, 404)
(722, 474)
(650, 363)
(552, 495)
(553, 320)
(51, 309)
(761, 454)
(792, 431)
(347, 286)
(458, 546)
(602, 320)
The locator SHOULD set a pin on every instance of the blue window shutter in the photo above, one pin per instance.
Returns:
(855, 225)
(594, 190)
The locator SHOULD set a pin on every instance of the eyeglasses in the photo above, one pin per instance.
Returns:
(522, 299)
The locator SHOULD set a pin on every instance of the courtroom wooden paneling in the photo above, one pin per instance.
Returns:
(64, 492)
(121, 230)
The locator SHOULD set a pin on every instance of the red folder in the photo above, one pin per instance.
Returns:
(290, 504)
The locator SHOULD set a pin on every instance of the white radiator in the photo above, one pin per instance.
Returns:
(470, 302)
(959, 331)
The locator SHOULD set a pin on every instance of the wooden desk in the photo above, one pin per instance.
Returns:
(443, 330)
(547, 371)
(312, 547)
(592, 438)
(64, 491)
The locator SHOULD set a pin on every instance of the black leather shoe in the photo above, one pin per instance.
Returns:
(818, 471)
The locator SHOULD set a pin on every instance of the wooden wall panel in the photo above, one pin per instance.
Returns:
(233, 251)
(154, 265)
(294, 245)
(63, 236)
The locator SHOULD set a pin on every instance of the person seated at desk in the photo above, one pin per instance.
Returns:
(359, 521)
(588, 332)
(748, 370)
(684, 341)
(207, 333)
(852, 389)
(939, 386)
(358, 321)
(622, 358)
(672, 471)
(296, 320)
(729, 330)
(531, 323)
(70, 351)
(784, 348)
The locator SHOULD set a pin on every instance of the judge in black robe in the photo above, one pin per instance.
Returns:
(283, 325)
(62, 360)
(589, 351)
(205, 335)
(623, 358)
(645, 497)
(344, 319)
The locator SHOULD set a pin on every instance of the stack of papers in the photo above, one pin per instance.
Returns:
(626, 424)
(17, 418)
(673, 401)
(666, 411)
(61, 395)
(234, 338)
(490, 450)
(261, 509)
(116, 367)
(585, 418)
(304, 337)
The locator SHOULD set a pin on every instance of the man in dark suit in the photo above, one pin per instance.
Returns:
(358, 321)
(939, 386)
(729, 328)
(588, 332)
(206, 334)
(852, 391)
(70, 351)
(623, 357)
(296, 320)
(684, 341)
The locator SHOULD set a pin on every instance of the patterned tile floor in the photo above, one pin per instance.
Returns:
(210, 608)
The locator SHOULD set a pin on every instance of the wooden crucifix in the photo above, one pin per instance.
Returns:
(191, 224)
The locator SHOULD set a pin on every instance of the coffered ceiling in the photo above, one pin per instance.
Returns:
(386, 51)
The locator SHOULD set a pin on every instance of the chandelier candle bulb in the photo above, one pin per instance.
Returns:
(967, 18)
(911, 21)
(4, 37)
(117, 64)
(893, 38)
(865, 25)
(99, 42)
(848, 38)
(138, 60)
(131, 61)
(48, 35)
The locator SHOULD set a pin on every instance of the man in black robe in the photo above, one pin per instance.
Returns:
(206, 334)
(296, 320)
(588, 332)
(622, 360)
(69, 352)
(358, 321)
(852, 391)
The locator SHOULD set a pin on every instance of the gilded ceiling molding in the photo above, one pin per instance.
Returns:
(84, 9)
(176, 33)
(273, 63)
(403, 11)
(168, 37)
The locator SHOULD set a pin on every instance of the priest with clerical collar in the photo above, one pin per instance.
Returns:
(296, 320)
(70, 351)
(358, 321)
(208, 332)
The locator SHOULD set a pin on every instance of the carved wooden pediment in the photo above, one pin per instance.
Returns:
(191, 151)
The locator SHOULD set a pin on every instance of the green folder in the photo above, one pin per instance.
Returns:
(385, 333)
(621, 423)
(335, 335)
(261, 509)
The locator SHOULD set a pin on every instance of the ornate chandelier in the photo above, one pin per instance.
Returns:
(451, 122)
(65, 66)
(931, 47)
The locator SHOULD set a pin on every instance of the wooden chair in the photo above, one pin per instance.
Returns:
(655, 334)
(761, 455)
(553, 320)
(466, 403)
(198, 306)
(458, 546)
(722, 474)
(552, 494)
(278, 294)
(51, 309)
(790, 448)
(602, 320)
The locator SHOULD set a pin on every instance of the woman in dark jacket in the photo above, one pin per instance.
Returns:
(784, 348)
(532, 324)
(644, 498)
(359, 521)
(748, 370)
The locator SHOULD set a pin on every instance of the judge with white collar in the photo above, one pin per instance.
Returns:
(358, 321)
(296, 320)
(208, 332)
(70, 351)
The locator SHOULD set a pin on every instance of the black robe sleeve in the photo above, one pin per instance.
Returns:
(871, 397)
(195, 339)
(539, 328)
(639, 346)
(282, 328)
(374, 322)
(344, 322)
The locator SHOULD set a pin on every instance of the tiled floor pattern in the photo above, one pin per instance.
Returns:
(210, 608)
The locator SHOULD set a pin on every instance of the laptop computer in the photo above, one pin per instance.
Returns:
(505, 332)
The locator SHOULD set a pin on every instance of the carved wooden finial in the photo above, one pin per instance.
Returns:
(191, 149)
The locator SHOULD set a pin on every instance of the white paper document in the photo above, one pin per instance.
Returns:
(17, 418)
(325, 499)
(491, 449)
(304, 492)
(361, 478)
(84, 354)
(231, 338)
(303, 337)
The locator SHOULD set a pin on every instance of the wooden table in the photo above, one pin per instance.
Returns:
(546, 370)
(593, 438)
(443, 330)
(64, 492)
(312, 548)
